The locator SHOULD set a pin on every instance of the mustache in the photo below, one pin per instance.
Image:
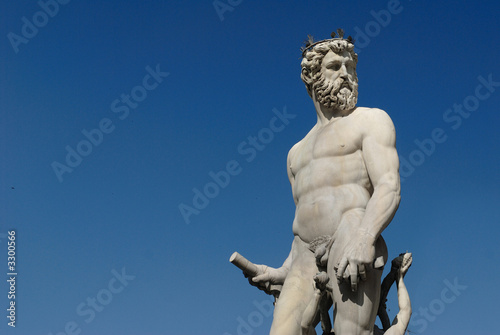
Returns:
(346, 83)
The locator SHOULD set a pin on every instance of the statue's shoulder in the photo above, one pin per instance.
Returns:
(373, 118)
(292, 151)
(296, 146)
(372, 114)
(375, 123)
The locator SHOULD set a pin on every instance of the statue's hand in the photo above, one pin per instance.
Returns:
(357, 255)
(268, 276)
(405, 263)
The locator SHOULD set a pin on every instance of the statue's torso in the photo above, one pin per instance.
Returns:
(330, 177)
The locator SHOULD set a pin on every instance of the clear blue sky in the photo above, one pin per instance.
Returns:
(217, 80)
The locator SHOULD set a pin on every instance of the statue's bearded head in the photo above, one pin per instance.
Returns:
(329, 72)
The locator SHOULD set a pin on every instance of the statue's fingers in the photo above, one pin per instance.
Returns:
(354, 277)
(341, 269)
(250, 280)
(362, 271)
(262, 278)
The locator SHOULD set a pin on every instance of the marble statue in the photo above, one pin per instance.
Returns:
(345, 184)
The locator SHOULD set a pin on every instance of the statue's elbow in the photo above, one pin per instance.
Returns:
(393, 186)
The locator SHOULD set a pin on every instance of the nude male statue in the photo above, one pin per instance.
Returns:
(345, 184)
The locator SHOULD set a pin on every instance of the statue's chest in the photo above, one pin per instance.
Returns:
(333, 141)
(329, 144)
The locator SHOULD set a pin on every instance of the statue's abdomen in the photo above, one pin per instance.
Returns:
(325, 189)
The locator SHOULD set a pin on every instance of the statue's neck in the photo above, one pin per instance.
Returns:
(327, 115)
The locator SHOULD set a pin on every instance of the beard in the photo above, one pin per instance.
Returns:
(340, 94)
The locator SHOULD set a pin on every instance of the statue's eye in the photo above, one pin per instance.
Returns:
(335, 67)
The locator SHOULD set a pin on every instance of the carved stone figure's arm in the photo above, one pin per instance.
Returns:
(404, 305)
(382, 164)
(399, 267)
(402, 319)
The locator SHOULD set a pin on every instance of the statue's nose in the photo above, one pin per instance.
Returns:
(343, 72)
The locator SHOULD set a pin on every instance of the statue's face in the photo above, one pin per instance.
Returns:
(338, 85)
(336, 66)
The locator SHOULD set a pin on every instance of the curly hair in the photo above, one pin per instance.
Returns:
(311, 63)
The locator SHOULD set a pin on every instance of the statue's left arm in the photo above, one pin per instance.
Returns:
(382, 164)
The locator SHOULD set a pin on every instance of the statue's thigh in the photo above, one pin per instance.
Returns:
(297, 292)
(355, 312)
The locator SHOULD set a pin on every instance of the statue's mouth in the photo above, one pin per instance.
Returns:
(345, 84)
